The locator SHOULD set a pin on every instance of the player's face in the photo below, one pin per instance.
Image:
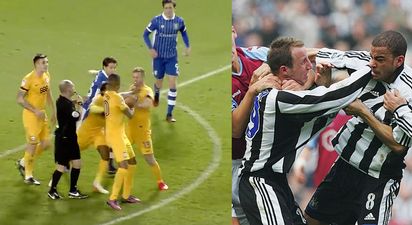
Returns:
(42, 65)
(138, 79)
(168, 10)
(301, 65)
(110, 69)
(384, 64)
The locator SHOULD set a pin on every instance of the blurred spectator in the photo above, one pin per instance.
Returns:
(320, 23)
(339, 24)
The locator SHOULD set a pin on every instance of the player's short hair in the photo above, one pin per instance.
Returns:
(103, 88)
(164, 2)
(138, 69)
(393, 40)
(113, 79)
(108, 60)
(38, 56)
(280, 53)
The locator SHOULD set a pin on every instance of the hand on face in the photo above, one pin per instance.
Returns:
(323, 75)
(266, 82)
(260, 72)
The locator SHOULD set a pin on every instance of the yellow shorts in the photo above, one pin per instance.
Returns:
(90, 136)
(121, 147)
(36, 130)
(142, 138)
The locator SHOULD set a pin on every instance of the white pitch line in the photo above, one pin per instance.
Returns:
(213, 165)
(13, 150)
(203, 76)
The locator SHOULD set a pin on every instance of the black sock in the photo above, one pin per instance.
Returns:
(74, 176)
(55, 180)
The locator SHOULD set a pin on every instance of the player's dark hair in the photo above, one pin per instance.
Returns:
(393, 40)
(164, 2)
(103, 88)
(108, 60)
(138, 69)
(113, 80)
(38, 56)
(280, 53)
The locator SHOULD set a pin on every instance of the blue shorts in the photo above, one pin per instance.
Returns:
(162, 66)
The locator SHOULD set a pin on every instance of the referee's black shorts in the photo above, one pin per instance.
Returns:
(65, 149)
(266, 198)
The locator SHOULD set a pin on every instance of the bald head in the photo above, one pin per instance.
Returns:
(66, 87)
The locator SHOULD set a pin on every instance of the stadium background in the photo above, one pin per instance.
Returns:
(76, 35)
(339, 24)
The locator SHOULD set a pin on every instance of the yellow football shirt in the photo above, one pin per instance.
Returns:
(114, 106)
(141, 117)
(96, 120)
(36, 88)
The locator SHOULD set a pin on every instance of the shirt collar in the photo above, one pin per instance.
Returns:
(104, 73)
(165, 18)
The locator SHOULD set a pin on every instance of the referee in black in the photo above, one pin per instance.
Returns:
(66, 147)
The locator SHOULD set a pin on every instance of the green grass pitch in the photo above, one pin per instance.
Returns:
(76, 35)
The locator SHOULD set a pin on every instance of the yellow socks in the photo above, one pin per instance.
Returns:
(128, 181)
(118, 181)
(38, 151)
(156, 171)
(28, 164)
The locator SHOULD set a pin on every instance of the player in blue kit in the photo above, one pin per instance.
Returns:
(109, 67)
(164, 52)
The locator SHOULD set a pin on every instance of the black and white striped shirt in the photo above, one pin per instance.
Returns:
(356, 142)
(282, 122)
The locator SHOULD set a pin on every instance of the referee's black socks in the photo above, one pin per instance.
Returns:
(74, 176)
(55, 179)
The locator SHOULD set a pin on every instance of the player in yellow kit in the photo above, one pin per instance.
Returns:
(116, 111)
(139, 127)
(33, 95)
(91, 132)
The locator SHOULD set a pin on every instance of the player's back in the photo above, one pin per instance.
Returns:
(114, 106)
(37, 88)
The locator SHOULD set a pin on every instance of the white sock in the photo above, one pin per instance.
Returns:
(111, 155)
(22, 162)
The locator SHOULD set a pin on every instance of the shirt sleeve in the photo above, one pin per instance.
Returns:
(322, 100)
(352, 60)
(25, 84)
(149, 93)
(402, 132)
(256, 52)
(152, 26)
(185, 37)
(120, 102)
